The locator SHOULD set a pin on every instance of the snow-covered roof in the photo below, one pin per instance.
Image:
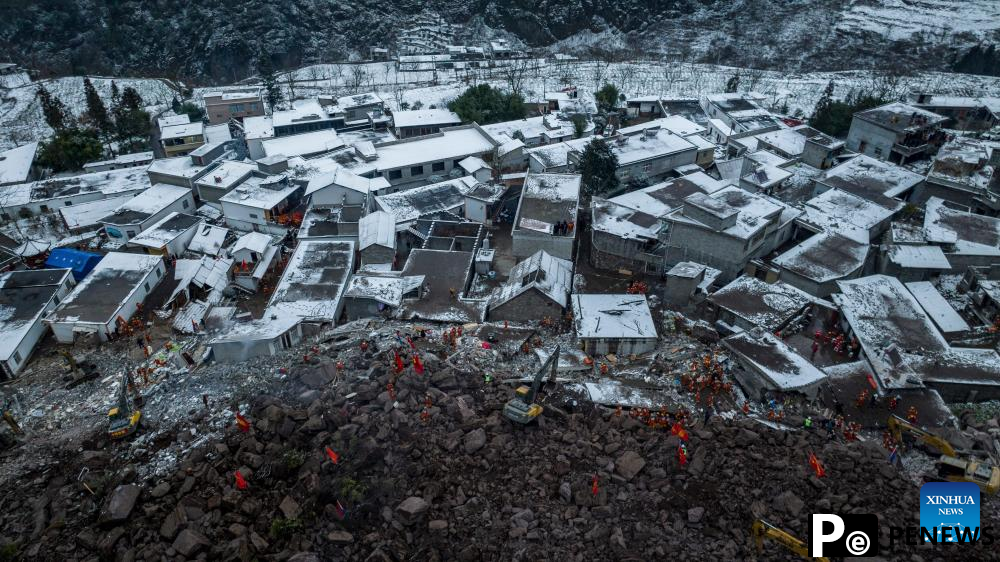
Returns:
(258, 127)
(937, 308)
(918, 256)
(773, 359)
(663, 198)
(24, 295)
(901, 117)
(547, 199)
(84, 215)
(227, 174)
(768, 305)
(108, 182)
(824, 257)
(552, 126)
(165, 230)
(358, 100)
(314, 281)
(869, 178)
(343, 177)
(178, 166)
(100, 295)
(623, 222)
(450, 144)
(261, 329)
(387, 288)
(473, 164)
(789, 141)
(303, 111)
(208, 240)
(552, 276)
(967, 233)
(181, 131)
(557, 154)
(409, 205)
(122, 159)
(146, 204)
(612, 316)
(378, 228)
(15, 164)
(958, 365)
(425, 117)
(646, 145)
(303, 144)
(261, 192)
(243, 93)
(836, 210)
(766, 176)
(214, 135)
(252, 241)
(965, 162)
(173, 120)
(755, 211)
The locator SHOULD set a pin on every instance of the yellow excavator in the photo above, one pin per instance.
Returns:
(522, 408)
(123, 419)
(763, 530)
(950, 466)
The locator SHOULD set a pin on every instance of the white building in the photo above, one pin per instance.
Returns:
(168, 237)
(313, 284)
(421, 122)
(547, 201)
(618, 324)
(253, 256)
(107, 295)
(343, 187)
(146, 209)
(25, 298)
(377, 238)
(258, 338)
(261, 203)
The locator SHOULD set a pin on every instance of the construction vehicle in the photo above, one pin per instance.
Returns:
(950, 466)
(79, 371)
(8, 417)
(123, 419)
(763, 530)
(522, 408)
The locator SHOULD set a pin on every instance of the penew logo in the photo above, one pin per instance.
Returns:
(949, 512)
(843, 535)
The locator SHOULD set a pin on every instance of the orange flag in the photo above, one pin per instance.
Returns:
(593, 487)
(399, 362)
(679, 431)
(816, 466)
(418, 365)
(241, 483)
(242, 422)
(333, 455)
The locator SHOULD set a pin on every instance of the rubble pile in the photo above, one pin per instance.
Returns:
(349, 468)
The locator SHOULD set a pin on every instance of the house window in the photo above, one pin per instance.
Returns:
(130, 233)
(158, 274)
(17, 356)
(416, 170)
(395, 174)
(253, 106)
(56, 298)
(647, 166)
(146, 284)
(878, 152)
(254, 216)
(437, 167)
(68, 203)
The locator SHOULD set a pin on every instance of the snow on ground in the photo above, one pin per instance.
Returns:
(900, 19)
(21, 118)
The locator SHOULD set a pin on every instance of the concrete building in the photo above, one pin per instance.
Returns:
(841, 212)
(967, 239)
(178, 136)
(415, 160)
(44, 196)
(26, 297)
(313, 283)
(536, 287)
(379, 294)
(254, 255)
(147, 209)
(547, 215)
(688, 282)
(803, 144)
(422, 122)
(223, 105)
(17, 165)
(913, 262)
(222, 179)
(963, 113)
(871, 179)
(168, 237)
(618, 324)
(964, 172)
(106, 297)
(342, 187)
(896, 132)
(747, 303)
(263, 337)
(770, 365)
(356, 110)
(263, 203)
(134, 160)
(816, 264)
(648, 154)
(331, 223)
(377, 238)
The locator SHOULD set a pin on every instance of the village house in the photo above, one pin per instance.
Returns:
(134, 160)
(554, 158)
(26, 297)
(146, 209)
(17, 165)
(871, 179)
(178, 136)
(377, 238)
(44, 196)
(849, 215)
(358, 110)
(212, 186)
(963, 113)
(306, 145)
(254, 254)
(331, 223)
(967, 239)
(85, 217)
(184, 171)
(647, 154)
(688, 283)
(896, 132)
(380, 294)
(734, 115)
(262, 203)
(407, 206)
(547, 215)
(343, 187)
(803, 144)
(417, 160)
(536, 131)
(616, 324)
(263, 337)
(209, 240)
(112, 293)
(945, 318)
(420, 122)
(964, 172)
(748, 302)
(770, 365)
(816, 264)
(536, 287)
(913, 262)
(168, 237)
(306, 116)
(223, 105)
(313, 283)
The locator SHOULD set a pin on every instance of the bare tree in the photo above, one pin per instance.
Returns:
(601, 61)
(624, 74)
(514, 73)
(358, 76)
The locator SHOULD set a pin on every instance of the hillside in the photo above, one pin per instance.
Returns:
(218, 42)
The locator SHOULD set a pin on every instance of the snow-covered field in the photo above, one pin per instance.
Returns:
(899, 19)
(21, 118)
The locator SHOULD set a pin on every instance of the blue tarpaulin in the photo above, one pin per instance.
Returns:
(80, 262)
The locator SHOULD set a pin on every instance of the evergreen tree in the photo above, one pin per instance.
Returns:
(192, 110)
(597, 168)
(484, 104)
(175, 104)
(733, 84)
(265, 69)
(606, 98)
(579, 125)
(70, 149)
(116, 95)
(131, 99)
(97, 113)
(56, 114)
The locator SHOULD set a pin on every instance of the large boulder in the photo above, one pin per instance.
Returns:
(189, 542)
(120, 504)
(412, 510)
(475, 440)
(629, 464)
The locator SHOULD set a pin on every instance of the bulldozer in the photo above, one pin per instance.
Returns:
(951, 467)
(763, 530)
(124, 418)
(522, 408)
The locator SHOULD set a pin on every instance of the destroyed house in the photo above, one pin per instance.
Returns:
(407, 206)
(331, 223)
(963, 113)
(536, 287)
(770, 365)
(896, 132)
(964, 172)
(546, 215)
(379, 294)
(168, 237)
(115, 289)
(254, 254)
(313, 283)
(623, 238)
(258, 338)
(967, 239)
(146, 209)
(747, 303)
(617, 324)
(25, 298)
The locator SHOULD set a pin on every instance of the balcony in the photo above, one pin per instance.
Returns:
(907, 151)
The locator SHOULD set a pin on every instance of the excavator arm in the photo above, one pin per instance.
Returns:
(897, 425)
(763, 530)
(548, 367)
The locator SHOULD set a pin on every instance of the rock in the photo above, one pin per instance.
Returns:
(474, 440)
(315, 378)
(161, 489)
(122, 501)
(629, 464)
(340, 537)
(411, 510)
(289, 507)
(170, 525)
(695, 514)
(189, 542)
(565, 492)
(438, 525)
(304, 557)
(789, 503)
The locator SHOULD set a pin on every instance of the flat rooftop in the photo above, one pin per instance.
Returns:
(870, 178)
(773, 359)
(443, 270)
(768, 305)
(901, 117)
(824, 257)
(314, 281)
(102, 293)
(968, 233)
(612, 316)
(166, 230)
(547, 199)
(23, 297)
(147, 204)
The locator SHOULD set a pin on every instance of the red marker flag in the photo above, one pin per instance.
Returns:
(682, 456)
(871, 382)
(410, 341)
(399, 362)
(816, 466)
(241, 483)
(242, 422)
(593, 486)
(341, 512)
(333, 455)
(418, 365)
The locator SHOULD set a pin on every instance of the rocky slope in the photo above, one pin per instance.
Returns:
(218, 41)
